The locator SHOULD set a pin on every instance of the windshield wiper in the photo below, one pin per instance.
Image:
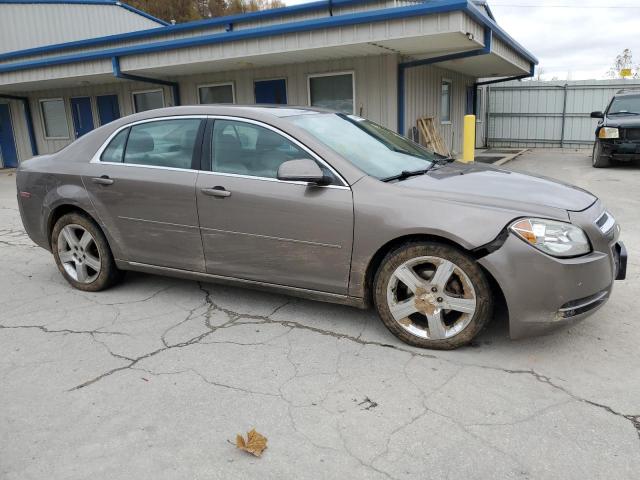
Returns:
(625, 113)
(406, 173)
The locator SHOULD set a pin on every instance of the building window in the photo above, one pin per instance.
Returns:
(445, 101)
(218, 93)
(54, 118)
(334, 91)
(479, 105)
(148, 100)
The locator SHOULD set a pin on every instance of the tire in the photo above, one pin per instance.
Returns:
(85, 262)
(415, 284)
(597, 159)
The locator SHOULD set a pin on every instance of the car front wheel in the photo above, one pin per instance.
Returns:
(432, 295)
(82, 253)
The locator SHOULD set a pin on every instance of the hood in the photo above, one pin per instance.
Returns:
(623, 121)
(481, 183)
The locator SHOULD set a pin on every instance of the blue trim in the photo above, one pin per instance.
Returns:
(188, 26)
(28, 118)
(142, 13)
(438, 6)
(116, 3)
(115, 64)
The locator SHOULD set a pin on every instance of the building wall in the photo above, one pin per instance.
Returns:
(63, 22)
(530, 114)
(422, 97)
(375, 95)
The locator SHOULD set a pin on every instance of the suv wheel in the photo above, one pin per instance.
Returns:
(432, 295)
(597, 159)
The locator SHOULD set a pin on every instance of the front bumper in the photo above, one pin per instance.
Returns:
(621, 149)
(543, 292)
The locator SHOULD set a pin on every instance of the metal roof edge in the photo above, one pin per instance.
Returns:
(169, 28)
(438, 6)
(116, 3)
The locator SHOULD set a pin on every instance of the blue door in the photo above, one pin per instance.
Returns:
(108, 108)
(8, 152)
(271, 91)
(82, 115)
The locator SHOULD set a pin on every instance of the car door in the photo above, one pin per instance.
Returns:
(142, 185)
(259, 228)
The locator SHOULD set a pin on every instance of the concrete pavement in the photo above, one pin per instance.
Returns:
(152, 378)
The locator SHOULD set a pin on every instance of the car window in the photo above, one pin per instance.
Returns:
(375, 150)
(115, 149)
(248, 149)
(625, 104)
(165, 143)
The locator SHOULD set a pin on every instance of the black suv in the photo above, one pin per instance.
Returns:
(618, 131)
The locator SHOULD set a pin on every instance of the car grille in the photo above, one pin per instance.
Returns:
(632, 134)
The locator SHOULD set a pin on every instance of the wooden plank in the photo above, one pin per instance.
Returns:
(431, 137)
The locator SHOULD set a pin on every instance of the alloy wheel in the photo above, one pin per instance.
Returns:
(79, 254)
(431, 297)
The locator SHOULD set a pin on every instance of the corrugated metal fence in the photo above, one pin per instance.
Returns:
(547, 114)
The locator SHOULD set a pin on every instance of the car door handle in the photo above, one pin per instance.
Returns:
(216, 192)
(103, 180)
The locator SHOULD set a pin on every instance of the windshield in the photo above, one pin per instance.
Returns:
(627, 104)
(375, 150)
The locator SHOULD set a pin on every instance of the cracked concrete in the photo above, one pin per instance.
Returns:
(150, 379)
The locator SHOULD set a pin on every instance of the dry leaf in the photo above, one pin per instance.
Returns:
(254, 444)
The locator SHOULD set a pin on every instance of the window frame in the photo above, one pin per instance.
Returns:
(44, 124)
(153, 90)
(333, 74)
(218, 84)
(206, 154)
(97, 157)
(449, 82)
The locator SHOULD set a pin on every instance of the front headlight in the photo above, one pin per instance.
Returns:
(558, 239)
(608, 132)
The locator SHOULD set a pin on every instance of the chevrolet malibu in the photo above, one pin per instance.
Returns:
(326, 206)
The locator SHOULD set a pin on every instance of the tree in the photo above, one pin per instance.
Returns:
(175, 11)
(624, 61)
(217, 8)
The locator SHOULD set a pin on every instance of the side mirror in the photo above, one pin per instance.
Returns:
(597, 114)
(303, 170)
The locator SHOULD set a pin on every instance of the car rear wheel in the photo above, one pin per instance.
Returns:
(597, 159)
(432, 295)
(82, 253)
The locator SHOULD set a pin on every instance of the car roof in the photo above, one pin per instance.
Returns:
(243, 110)
(627, 91)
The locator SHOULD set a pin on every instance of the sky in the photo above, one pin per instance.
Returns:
(572, 39)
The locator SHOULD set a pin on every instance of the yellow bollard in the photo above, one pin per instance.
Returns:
(469, 140)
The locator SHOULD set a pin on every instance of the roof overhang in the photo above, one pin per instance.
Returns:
(437, 29)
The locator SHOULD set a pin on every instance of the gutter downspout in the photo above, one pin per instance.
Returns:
(488, 35)
(175, 87)
(29, 119)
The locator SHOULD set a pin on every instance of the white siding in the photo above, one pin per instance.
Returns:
(31, 25)
(375, 77)
(422, 99)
